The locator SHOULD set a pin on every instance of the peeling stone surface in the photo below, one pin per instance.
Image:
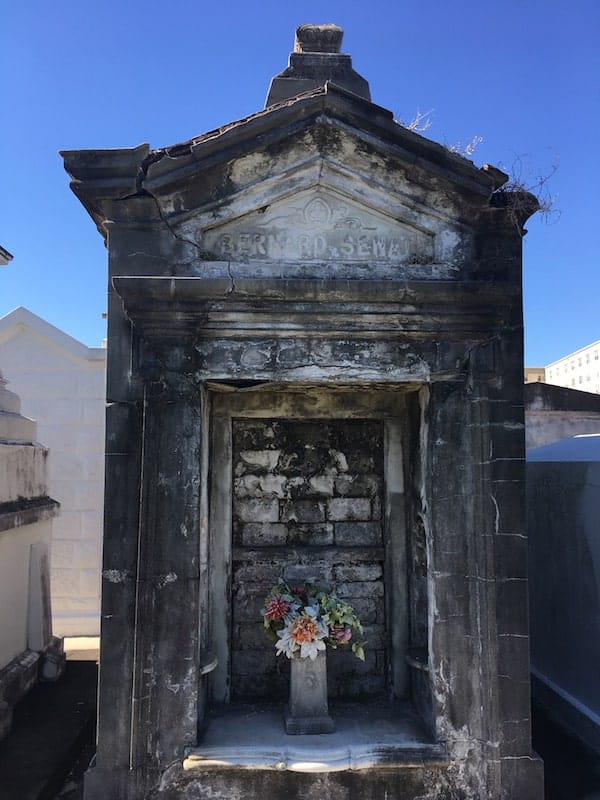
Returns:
(293, 505)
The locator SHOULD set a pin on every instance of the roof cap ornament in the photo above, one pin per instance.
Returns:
(315, 60)
(325, 38)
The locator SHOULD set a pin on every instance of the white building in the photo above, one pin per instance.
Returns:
(61, 383)
(579, 370)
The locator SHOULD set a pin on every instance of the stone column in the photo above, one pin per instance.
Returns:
(149, 658)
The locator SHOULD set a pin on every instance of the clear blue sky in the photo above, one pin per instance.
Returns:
(522, 74)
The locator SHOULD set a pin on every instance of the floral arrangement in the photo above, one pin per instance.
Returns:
(305, 619)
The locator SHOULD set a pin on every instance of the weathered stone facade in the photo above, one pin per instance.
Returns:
(320, 270)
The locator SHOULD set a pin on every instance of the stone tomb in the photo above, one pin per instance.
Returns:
(314, 370)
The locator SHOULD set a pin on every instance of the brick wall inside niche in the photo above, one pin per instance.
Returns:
(307, 501)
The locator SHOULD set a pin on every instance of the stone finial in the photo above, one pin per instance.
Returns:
(318, 38)
(316, 60)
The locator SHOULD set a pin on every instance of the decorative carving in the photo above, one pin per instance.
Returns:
(318, 227)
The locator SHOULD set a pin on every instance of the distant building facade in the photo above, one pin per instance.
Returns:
(535, 374)
(579, 370)
(61, 383)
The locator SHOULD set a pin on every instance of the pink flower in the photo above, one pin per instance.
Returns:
(277, 608)
(342, 634)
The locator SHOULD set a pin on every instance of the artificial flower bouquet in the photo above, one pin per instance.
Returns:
(305, 619)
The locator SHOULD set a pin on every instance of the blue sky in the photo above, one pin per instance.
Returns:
(523, 75)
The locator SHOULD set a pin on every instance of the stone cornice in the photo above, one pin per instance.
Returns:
(170, 306)
(139, 176)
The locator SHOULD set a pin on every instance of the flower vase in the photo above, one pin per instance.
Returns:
(307, 711)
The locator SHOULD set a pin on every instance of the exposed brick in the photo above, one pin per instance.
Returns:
(358, 572)
(319, 571)
(366, 609)
(349, 508)
(357, 485)
(264, 533)
(257, 571)
(322, 485)
(260, 459)
(317, 534)
(247, 486)
(273, 485)
(360, 589)
(304, 511)
(357, 533)
(258, 510)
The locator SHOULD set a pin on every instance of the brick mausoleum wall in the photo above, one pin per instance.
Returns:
(307, 504)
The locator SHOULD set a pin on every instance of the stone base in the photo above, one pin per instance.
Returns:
(308, 725)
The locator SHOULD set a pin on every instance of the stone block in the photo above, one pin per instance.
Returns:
(89, 582)
(320, 572)
(357, 485)
(257, 510)
(348, 508)
(322, 485)
(255, 460)
(351, 534)
(316, 534)
(367, 610)
(360, 589)
(304, 511)
(264, 534)
(257, 571)
(358, 572)
(247, 486)
(273, 485)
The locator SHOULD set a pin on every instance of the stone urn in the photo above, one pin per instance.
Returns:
(307, 711)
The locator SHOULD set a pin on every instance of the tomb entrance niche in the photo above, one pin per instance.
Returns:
(314, 496)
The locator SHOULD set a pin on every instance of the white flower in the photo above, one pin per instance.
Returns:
(311, 649)
(286, 645)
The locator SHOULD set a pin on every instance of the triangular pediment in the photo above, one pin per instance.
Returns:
(317, 225)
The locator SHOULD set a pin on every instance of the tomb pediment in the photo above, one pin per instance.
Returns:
(317, 225)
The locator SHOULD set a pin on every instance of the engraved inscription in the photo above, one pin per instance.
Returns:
(320, 228)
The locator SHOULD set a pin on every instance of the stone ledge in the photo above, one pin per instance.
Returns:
(367, 736)
(16, 679)
(26, 511)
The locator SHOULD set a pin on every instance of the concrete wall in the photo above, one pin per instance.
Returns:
(553, 413)
(61, 384)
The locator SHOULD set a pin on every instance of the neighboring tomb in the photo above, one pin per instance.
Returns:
(553, 413)
(61, 383)
(563, 509)
(27, 648)
(314, 370)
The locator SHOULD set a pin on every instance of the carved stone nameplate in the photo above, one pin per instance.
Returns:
(318, 226)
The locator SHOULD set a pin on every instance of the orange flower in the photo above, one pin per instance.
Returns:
(303, 629)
